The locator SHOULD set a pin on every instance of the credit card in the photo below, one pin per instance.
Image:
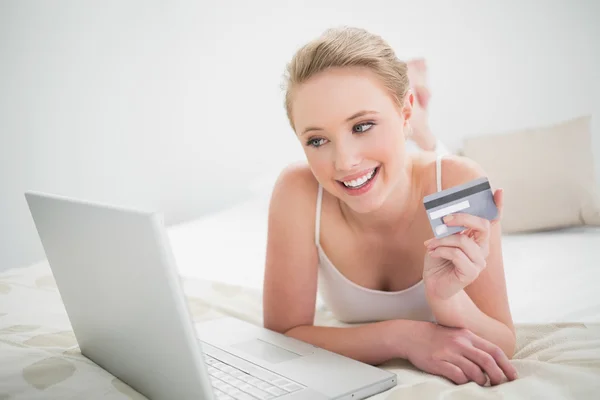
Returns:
(475, 198)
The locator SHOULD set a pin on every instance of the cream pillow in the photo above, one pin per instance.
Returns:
(547, 174)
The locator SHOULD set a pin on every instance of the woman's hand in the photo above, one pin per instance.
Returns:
(455, 261)
(459, 355)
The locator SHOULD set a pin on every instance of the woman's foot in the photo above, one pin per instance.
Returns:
(419, 121)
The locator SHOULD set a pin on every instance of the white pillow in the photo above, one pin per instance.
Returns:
(547, 173)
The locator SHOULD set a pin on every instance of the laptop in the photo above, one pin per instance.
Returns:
(117, 278)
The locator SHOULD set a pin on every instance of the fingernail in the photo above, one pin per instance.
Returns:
(427, 242)
(448, 218)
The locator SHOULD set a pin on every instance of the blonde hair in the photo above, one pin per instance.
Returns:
(346, 47)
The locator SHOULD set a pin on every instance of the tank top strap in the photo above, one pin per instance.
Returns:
(318, 215)
(438, 171)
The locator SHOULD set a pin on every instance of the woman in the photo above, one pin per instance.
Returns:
(353, 220)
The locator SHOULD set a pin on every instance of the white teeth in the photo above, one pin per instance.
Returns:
(357, 182)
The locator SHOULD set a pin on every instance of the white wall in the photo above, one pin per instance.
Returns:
(177, 105)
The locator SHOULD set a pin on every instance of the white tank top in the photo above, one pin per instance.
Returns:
(352, 303)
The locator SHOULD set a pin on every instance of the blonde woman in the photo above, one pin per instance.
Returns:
(351, 224)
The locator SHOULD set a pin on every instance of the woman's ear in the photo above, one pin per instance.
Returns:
(407, 105)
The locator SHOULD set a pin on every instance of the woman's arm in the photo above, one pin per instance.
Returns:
(460, 311)
(457, 354)
(482, 307)
(373, 343)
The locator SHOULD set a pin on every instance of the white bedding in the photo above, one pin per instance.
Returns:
(552, 282)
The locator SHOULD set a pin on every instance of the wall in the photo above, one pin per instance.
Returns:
(177, 105)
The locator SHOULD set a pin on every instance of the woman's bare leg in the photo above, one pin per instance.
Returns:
(419, 121)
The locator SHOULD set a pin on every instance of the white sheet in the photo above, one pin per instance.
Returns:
(554, 276)
(551, 276)
(227, 246)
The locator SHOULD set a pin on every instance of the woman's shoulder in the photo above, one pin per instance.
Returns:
(455, 170)
(298, 173)
(295, 189)
(298, 179)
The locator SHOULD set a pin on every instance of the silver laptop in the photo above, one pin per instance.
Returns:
(121, 290)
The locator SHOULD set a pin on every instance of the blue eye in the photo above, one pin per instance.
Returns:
(316, 142)
(363, 127)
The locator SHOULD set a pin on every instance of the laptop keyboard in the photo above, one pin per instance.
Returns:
(231, 383)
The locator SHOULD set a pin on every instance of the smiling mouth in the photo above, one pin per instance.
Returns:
(360, 182)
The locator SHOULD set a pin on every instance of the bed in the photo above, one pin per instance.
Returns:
(552, 282)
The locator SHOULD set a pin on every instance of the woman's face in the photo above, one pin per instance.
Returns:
(352, 132)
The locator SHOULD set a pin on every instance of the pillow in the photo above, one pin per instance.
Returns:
(547, 174)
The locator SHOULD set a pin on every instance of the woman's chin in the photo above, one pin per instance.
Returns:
(364, 205)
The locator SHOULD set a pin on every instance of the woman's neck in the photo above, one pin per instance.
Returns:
(398, 211)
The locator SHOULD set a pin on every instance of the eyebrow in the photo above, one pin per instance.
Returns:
(350, 118)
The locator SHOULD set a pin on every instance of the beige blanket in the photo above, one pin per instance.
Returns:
(39, 357)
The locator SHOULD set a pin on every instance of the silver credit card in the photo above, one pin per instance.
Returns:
(475, 198)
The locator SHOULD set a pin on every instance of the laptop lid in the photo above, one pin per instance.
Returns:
(117, 278)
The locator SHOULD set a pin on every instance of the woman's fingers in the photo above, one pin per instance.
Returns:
(486, 362)
(496, 353)
(473, 222)
(463, 242)
(471, 369)
(463, 264)
(452, 372)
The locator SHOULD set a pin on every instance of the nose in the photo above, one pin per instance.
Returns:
(347, 157)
